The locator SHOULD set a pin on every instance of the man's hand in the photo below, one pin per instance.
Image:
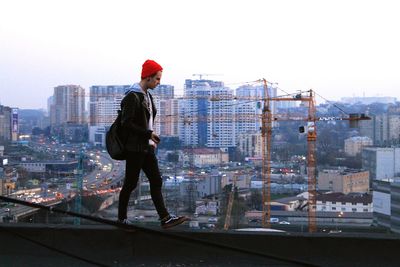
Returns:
(155, 138)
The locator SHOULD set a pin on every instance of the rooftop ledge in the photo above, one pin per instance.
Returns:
(102, 245)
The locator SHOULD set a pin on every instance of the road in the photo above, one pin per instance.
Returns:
(108, 173)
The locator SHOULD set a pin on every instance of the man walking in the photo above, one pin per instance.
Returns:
(138, 113)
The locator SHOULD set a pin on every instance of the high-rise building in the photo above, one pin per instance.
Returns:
(383, 129)
(250, 144)
(14, 124)
(166, 123)
(249, 106)
(5, 123)
(68, 105)
(104, 102)
(207, 115)
(163, 91)
(50, 101)
(382, 163)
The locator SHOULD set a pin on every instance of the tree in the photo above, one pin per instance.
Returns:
(255, 200)
(238, 209)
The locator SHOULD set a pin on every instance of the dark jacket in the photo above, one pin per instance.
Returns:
(134, 120)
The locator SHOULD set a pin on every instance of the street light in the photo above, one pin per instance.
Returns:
(340, 215)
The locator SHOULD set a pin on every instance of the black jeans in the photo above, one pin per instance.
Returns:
(146, 161)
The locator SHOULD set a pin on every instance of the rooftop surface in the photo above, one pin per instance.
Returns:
(105, 245)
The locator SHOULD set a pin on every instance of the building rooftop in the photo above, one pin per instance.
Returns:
(103, 245)
(340, 197)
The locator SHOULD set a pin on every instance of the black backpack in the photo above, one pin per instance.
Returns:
(114, 143)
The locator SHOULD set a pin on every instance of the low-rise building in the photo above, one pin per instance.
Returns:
(289, 203)
(354, 145)
(97, 135)
(207, 207)
(343, 180)
(209, 185)
(339, 202)
(243, 181)
(203, 157)
(56, 167)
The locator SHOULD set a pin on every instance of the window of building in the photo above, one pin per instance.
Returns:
(333, 208)
(98, 138)
(353, 209)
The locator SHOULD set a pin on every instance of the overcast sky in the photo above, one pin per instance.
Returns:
(338, 48)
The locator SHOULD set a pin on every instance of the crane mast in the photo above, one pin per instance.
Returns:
(311, 163)
(230, 203)
(266, 132)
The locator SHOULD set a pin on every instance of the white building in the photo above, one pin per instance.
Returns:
(338, 202)
(105, 100)
(203, 157)
(105, 111)
(354, 145)
(382, 163)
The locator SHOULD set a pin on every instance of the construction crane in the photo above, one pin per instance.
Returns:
(205, 74)
(266, 135)
(311, 147)
(230, 203)
(267, 119)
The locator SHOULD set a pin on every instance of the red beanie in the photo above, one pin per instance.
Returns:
(149, 68)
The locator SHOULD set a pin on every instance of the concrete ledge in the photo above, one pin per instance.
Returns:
(53, 245)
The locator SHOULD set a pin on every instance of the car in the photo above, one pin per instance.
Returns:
(212, 219)
(274, 220)
(284, 222)
(210, 225)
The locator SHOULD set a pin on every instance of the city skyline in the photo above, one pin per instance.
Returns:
(339, 49)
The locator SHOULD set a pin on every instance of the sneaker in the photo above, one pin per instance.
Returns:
(172, 221)
(125, 222)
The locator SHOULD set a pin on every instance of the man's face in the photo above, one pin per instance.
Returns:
(153, 82)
